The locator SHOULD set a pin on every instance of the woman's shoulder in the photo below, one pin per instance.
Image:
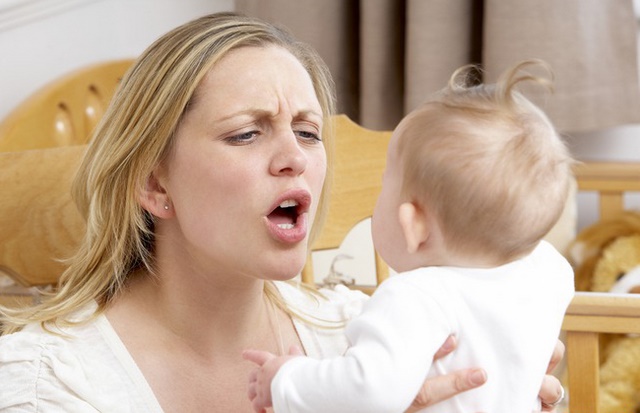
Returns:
(35, 367)
(51, 368)
(339, 304)
(323, 314)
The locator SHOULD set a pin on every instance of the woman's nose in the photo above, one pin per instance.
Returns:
(289, 156)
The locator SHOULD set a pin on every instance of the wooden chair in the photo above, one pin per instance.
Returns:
(40, 148)
(357, 181)
(39, 222)
(65, 111)
(611, 180)
(592, 314)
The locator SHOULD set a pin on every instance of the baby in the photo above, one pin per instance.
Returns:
(475, 177)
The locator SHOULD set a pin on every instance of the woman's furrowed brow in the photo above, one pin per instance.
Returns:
(265, 113)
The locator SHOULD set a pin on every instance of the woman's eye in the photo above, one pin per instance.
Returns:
(310, 136)
(241, 138)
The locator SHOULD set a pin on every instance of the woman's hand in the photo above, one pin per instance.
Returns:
(440, 388)
(437, 389)
(551, 392)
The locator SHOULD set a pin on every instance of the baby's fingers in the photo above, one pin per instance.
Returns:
(251, 392)
(256, 401)
(295, 351)
(257, 408)
(257, 356)
(252, 388)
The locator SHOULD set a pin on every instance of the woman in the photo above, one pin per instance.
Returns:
(199, 189)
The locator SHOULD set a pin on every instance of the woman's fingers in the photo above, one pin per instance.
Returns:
(440, 388)
(556, 357)
(550, 393)
(437, 389)
(447, 347)
(551, 390)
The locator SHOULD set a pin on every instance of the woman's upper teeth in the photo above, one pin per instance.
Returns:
(288, 203)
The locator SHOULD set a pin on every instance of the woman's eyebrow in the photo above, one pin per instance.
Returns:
(307, 113)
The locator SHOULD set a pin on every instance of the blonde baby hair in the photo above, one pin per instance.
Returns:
(488, 162)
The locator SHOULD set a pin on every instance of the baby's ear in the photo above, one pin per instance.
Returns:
(414, 224)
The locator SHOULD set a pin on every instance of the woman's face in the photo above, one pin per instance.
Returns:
(247, 169)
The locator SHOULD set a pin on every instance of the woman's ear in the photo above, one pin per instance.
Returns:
(154, 198)
(414, 224)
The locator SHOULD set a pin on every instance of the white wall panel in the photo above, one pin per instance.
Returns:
(43, 39)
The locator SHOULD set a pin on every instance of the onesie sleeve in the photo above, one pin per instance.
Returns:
(392, 344)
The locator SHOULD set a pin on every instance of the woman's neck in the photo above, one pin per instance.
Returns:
(197, 337)
(206, 316)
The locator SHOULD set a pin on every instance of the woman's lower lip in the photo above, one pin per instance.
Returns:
(289, 235)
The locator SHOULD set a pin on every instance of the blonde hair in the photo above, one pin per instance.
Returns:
(488, 162)
(134, 136)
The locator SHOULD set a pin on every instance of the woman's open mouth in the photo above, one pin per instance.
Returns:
(287, 221)
(285, 215)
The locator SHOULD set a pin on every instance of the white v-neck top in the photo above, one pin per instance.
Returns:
(88, 369)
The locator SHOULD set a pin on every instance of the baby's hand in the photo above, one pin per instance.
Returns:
(261, 377)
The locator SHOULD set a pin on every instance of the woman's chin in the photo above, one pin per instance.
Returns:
(283, 265)
(285, 274)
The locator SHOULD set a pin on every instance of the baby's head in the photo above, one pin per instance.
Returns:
(488, 163)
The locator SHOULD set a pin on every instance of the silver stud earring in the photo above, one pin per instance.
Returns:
(166, 207)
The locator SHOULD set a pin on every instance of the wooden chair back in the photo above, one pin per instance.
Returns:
(593, 314)
(360, 158)
(39, 222)
(41, 144)
(63, 112)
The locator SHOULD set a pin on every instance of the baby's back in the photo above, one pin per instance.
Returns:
(508, 321)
